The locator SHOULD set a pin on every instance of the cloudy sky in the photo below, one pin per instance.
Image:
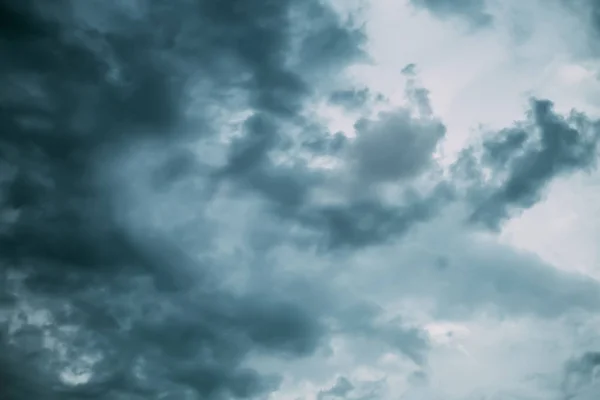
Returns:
(299, 199)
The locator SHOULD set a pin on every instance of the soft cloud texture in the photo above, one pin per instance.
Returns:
(474, 11)
(182, 217)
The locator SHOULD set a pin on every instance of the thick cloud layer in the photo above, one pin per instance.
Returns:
(93, 299)
(173, 211)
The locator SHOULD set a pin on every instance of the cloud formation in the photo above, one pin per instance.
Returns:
(523, 160)
(581, 376)
(474, 11)
(177, 220)
(129, 312)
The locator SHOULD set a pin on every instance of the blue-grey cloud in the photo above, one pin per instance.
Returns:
(581, 376)
(84, 86)
(361, 390)
(351, 99)
(395, 147)
(341, 388)
(473, 11)
(104, 109)
(524, 159)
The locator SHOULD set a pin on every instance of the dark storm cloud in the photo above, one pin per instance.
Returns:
(251, 167)
(513, 284)
(59, 115)
(524, 159)
(474, 11)
(580, 377)
(153, 343)
(326, 144)
(360, 390)
(84, 85)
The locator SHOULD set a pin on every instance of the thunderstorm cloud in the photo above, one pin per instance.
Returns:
(299, 199)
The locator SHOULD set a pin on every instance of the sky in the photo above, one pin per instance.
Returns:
(299, 200)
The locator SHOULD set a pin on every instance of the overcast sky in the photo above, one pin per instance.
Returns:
(299, 199)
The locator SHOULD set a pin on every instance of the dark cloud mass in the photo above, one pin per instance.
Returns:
(580, 379)
(95, 306)
(395, 146)
(524, 159)
(128, 128)
(341, 388)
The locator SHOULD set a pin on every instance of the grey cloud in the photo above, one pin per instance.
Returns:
(251, 150)
(251, 167)
(500, 150)
(594, 12)
(482, 275)
(474, 11)
(580, 379)
(416, 93)
(395, 147)
(479, 275)
(361, 320)
(84, 87)
(420, 96)
(330, 42)
(524, 159)
(588, 11)
(360, 390)
(151, 343)
(116, 284)
(410, 70)
(356, 99)
(341, 388)
(351, 99)
(326, 144)
(362, 223)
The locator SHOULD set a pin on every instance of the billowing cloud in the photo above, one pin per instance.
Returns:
(178, 220)
(395, 146)
(474, 11)
(100, 306)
